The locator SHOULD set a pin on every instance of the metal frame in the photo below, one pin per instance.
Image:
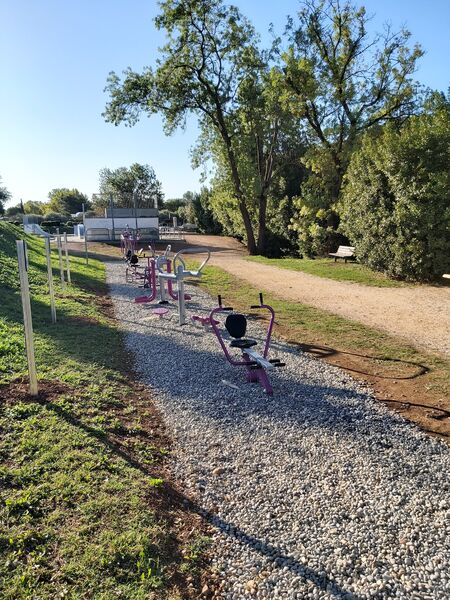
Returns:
(255, 364)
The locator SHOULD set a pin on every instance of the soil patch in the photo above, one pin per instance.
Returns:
(399, 384)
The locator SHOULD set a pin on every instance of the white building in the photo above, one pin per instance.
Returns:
(110, 227)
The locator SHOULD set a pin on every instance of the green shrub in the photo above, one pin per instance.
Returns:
(315, 219)
(56, 217)
(396, 202)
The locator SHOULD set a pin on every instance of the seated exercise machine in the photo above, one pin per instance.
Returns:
(256, 364)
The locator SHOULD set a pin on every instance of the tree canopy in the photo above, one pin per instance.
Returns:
(341, 80)
(279, 126)
(32, 207)
(65, 201)
(212, 67)
(4, 197)
(126, 185)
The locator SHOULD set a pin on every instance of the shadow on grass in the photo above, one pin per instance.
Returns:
(95, 255)
(78, 336)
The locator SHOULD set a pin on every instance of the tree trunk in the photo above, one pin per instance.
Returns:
(251, 242)
(262, 224)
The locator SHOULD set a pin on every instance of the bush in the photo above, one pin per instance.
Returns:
(396, 202)
(315, 220)
(56, 217)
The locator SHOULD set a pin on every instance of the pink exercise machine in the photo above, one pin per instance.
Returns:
(256, 364)
(128, 241)
(156, 266)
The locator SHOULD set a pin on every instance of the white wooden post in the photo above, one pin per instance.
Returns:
(66, 250)
(50, 279)
(27, 320)
(85, 237)
(61, 266)
(181, 300)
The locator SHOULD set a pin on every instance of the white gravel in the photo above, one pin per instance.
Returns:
(318, 491)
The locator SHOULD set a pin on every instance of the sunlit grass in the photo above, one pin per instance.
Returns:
(327, 268)
(76, 521)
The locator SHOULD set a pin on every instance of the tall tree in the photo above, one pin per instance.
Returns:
(127, 185)
(211, 56)
(342, 81)
(204, 216)
(267, 137)
(32, 207)
(4, 197)
(65, 201)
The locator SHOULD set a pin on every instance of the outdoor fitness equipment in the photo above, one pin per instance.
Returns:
(205, 322)
(128, 241)
(256, 364)
(149, 274)
(155, 265)
(179, 274)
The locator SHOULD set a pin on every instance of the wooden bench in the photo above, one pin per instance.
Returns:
(344, 252)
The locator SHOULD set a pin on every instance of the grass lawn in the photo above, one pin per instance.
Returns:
(86, 510)
(326, 267)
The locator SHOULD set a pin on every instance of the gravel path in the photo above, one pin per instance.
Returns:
(418, 314)
(317, 492)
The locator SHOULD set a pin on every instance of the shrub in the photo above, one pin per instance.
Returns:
(315, 220)
(56, 217)
(396, 202)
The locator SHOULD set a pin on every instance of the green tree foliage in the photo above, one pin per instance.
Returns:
(204, 216)
(212, 67)
(4, 197)
(137, 183)
(65, 201)
(396, 205)
(187, 212)
(341, 81)
(34, 208)
(172, 205)
(56, 217)
(14, 211)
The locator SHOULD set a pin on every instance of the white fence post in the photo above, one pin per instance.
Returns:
(50, 279)
(69, 280)
(61, 266)
(85, 237)
(27, 320)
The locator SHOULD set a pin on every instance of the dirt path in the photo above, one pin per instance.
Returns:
(418, 314)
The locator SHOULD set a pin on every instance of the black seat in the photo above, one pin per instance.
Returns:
(236, 325)
(243, 343)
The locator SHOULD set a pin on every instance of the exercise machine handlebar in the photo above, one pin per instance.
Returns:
(261, 302)
(219, 299)
(177, 257)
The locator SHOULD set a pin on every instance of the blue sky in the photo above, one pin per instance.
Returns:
(55, 56)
